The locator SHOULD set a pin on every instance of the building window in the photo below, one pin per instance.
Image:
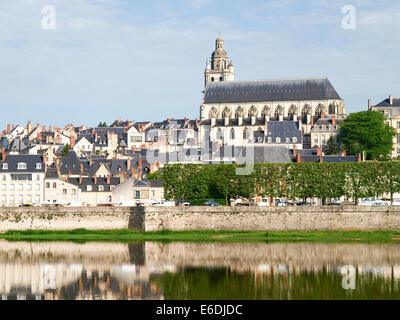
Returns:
(64, 192)
(89, 188)
(38, 166)
(137, 195)
(5, 166)
(38, 187)
(21, 166)
(47, 185)
(278, 140)
(20, 187)
(294, 140)
(269, 140)
(54, 185)
(73, 192)
(398, 125)
(398, 138)
(246, 134)
(101, 188)
(29, 187)
(4, 187)
(4, 177)
(232, 134)
(12, 188)
(287, 140)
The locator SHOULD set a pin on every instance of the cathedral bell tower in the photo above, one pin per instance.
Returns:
(219, 68)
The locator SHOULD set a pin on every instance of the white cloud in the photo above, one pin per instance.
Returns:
(197, 4)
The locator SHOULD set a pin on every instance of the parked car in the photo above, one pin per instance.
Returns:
(262, 204)
(77, 204)
(211, 203)
(367, 202)
(396, 202)
(166, 204)
(283, 203)
(379, 203)
(302, 204)
(186, 204)
(127, 203)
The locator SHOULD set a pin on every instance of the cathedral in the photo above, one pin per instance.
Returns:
(265, 112)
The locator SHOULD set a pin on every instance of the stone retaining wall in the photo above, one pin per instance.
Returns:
(202, 218)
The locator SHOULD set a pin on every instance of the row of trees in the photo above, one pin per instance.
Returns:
(290, 181)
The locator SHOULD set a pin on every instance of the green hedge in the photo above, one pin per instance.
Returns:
(291, 181)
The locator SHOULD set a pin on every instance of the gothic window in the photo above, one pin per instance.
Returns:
(252, 112)
(331, 109)
(318, 111)
(213, 113)
(306, 110)
(220, 136)
(246, 134)
(239, 112)
(292, 110)
(226, 113)
(232, 134)
(212, 79)
(278, 111)
(266, 111)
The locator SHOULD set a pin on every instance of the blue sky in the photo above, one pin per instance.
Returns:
(144, 60)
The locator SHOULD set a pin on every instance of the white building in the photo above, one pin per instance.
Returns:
(21, 179)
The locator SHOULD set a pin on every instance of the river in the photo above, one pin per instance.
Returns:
(192, 271)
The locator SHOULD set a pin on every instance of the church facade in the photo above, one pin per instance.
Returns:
(269, 112)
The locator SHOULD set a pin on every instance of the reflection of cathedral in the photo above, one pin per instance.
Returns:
(238, 112)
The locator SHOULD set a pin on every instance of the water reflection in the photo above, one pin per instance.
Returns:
(113, 271)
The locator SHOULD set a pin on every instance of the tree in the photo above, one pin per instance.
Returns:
(66, 149)
(102, 125)
(367, 132)
(331, 147)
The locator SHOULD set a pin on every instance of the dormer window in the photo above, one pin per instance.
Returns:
(101, 188)
(38, 166)
(5, 166)
(294, 140)
(89, 188)
(21, 166)
(278, 140)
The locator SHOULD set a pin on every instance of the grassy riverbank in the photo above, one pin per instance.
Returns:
(83, 235)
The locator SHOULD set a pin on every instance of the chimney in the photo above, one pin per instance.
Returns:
(95, 179)
(319, 151)
(8, 128)
(333, 120)
(298, 158)
(294, 150)
(58, 166)
(128, 165)
(108, 179)
(3, 155)
(81, 167)
(312, 120)
(91, 160)
(51, 129)
(13, 126)
(37, 125)
(80, 178)
(323, 115)
(122, 177)
(391, 99)
(72, 141)
(44, 156)
(124, 128)
(140, 164)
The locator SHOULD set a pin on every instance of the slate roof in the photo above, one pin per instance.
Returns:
(95, 186)
(70, 163)
(30, 160)
(147, 183)
(262, 154)
(270, 90)
(283, 130)
(386, 103)
(17, 145)
(315, 158)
